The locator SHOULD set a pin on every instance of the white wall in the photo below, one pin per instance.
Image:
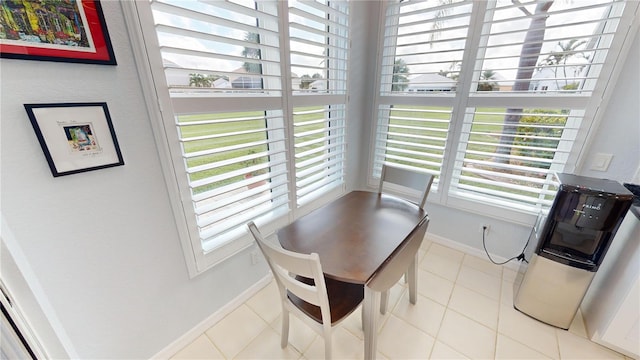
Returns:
(29, 299)
(619, 129)
(361, 116)
(102, 246)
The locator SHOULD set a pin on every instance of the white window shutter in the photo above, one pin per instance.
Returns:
(319, 48)
(245, 143)
(496, 95)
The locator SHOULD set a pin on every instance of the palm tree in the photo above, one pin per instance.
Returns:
(485, 83)
(252, 53)
(453, 72)
(305, 81)
(559, 59)
(200, 80)
(399, 81)
(528, 58)
(437, 24)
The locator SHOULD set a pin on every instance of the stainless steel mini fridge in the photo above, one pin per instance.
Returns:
(570, 244)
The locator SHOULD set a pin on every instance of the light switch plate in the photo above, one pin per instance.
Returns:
(600, 162)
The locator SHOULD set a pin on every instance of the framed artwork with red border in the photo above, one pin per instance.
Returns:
(67, 31)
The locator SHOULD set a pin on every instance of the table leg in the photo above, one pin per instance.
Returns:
(371, 308)
(413, 280)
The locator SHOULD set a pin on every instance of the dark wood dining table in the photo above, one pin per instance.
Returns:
(356, 237)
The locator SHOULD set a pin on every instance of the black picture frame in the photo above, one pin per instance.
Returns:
(75, 137)
(84, 37)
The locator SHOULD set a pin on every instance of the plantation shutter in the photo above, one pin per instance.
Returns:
(319, 46)
(494, 97)
(220, 47)
(412, 136)
(424, 43)
(223, 72)
(521, 174)
(423, 47)
(551, 54)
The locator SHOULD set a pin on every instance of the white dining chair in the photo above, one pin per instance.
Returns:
(410, 179)
(318, 301)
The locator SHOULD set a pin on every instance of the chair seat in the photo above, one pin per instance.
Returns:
(344, 298)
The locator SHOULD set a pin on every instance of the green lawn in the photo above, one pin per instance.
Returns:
(223, 135)
(429, 126)
(220, 137)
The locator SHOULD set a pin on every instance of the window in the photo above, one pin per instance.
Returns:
(493, 97)
(253, 99)
(318, 40)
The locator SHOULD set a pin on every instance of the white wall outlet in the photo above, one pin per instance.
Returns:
(600, 162)
(485, 228)
(255, 257)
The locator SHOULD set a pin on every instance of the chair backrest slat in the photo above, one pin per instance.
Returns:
(407, 178)
(286, 265)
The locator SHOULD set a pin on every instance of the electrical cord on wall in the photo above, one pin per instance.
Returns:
(519, 257)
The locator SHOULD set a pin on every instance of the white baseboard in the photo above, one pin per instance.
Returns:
(207, 323)
(471, 250)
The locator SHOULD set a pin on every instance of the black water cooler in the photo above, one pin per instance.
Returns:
(570, 244)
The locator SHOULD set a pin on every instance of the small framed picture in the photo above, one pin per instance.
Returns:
(68, 31)
(75, 137)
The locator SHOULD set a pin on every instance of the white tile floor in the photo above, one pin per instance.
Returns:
(464, 311)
